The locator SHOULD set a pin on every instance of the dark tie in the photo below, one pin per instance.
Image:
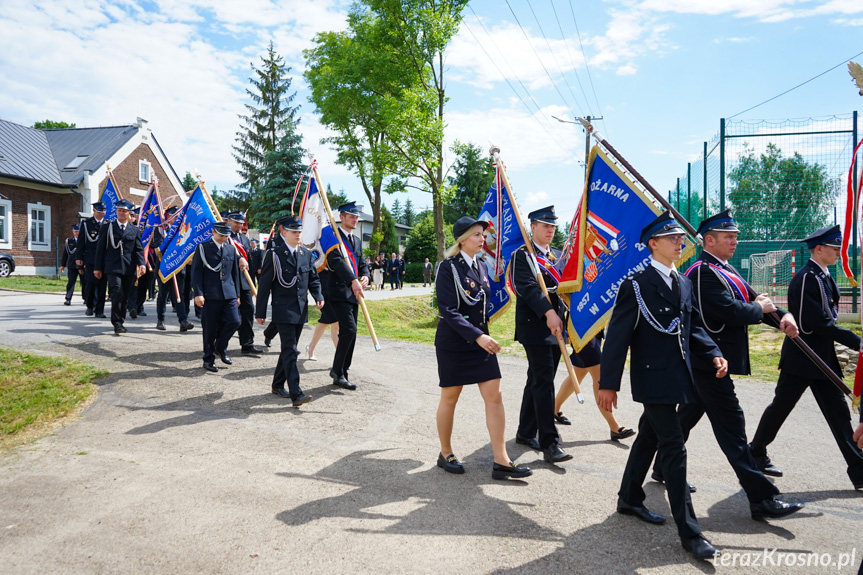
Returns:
(675, 285)
(475, 270)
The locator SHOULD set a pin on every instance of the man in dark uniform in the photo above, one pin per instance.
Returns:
(289, 273)
(272, 330)
(538, 322)
(349, 277)
(727, 307)
(655, 319)
(814, 300)
(394, 269)
(166, 290)
(256, 260)
(68, 265)
(247, 302)
(120, 257)
(215, 282)
(85, 258)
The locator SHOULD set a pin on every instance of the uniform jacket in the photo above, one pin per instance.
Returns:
(243, 240)
(814, 311)
(461, 323)
(223, 284)
(428, 268)
(659, 371)
(395, 266)
(339, 287)
(123, 259)
(290, 304)
(530, 304)
(725, 315)
(256, 261)
(88, 237)
(70, 247)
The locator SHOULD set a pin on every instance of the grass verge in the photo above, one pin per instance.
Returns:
(35, 283)
(36, 391)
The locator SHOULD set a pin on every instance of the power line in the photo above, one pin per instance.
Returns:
(571, 59)
(586, 66)
(795, 87)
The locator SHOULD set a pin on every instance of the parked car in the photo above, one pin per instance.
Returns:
(7, 264)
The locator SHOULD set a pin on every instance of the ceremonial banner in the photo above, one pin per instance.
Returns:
(193, 225)
(110, 197)
(150, 216)
(502, 237)
(317, 233)
(605, 246)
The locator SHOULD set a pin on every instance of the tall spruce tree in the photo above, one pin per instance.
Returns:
(283, 168)
(408, 215)
(474, 174)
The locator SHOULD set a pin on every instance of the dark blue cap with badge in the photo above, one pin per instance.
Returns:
(238, 217)
(664, 225)
(99, 207)
(223, 228)
(75, 227)
(721, 222)
(350, 208)
(171, 211)
(291, 222)
(464, 223)
(544, 215)
(830, 236)
(124, 205)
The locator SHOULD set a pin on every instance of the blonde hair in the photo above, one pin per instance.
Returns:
(455, 249)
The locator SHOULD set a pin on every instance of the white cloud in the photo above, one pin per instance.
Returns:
(626, 70)
(733, 40)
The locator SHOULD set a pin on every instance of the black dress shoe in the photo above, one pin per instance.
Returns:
(142, 313)
(699, 547)
(133, 313)
(301, 399)
(101, 315)
(251, 349)
(765, 465)
(89, 312)
(499, 471)
(119, 329)
(186, 326)
(531, 442)
(641, 512)
(773, 508)
(560, 418)
(67, 302)
(268, 342)
(622, 433)
(657, 476)
(160, 325)
(344, 383)
(281, 392)
(450, 464)
(554, 454)
(225, 359)
(210, 366)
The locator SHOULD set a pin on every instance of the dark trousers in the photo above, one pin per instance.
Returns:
(833, 407)
(286, 368)
(394, 280)
(119, 287)
(132, 297)
(247, 318)
(72, 279)
(659, 429)
(537, 402)
(271, 331)
(219, 321)
(143, 288)
(94, 290)
(347, 314)
(717, 398)
(166, 290)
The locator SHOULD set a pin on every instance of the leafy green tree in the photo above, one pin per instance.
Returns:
(422, 242)
(230, 200)
(473, 176)
(774, 197)
(52, 125)
(283, 168)
(189, 182)
(336, 199)
(267, 120)
(389, 242)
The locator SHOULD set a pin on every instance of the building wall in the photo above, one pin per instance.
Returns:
(64, 213)
(126, 176)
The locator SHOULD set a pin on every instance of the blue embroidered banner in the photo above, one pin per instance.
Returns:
(150, 216)
(193, 225)
(110, 197)
(317, 233)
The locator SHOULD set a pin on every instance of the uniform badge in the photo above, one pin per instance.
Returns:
(472, 285)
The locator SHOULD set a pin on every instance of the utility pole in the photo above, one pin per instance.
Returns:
(587, 146)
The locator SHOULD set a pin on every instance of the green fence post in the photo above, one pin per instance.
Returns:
(677, 190)
(704, 208)
(721, 164)
(689, 191)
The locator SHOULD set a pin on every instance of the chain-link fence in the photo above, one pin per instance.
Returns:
(781, 180)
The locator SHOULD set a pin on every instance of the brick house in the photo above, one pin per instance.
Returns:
(49, 178)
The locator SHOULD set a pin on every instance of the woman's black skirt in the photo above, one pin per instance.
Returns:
(466, 366)
(590, 355)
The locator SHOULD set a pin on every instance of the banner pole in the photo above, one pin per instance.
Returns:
(495, 152)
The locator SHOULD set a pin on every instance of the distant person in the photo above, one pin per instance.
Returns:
(69, 267)
(427, 272)
(166, 290)
(256, 258)
(394, 270)
(85, 258)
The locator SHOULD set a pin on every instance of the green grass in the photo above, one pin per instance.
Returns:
(34, 283)
(35, 391)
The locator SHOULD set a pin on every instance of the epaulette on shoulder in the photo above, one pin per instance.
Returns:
(635, 275)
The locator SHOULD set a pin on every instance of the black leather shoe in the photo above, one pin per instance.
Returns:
(133, 313)
(268, 342)
(699, 547)
(225, 359)
(531, 442)
(142, 313)
(773, 508)
(554, 454)
(450, 464)
(499, 471)
(560, 418)
(211, 367)
(281, 392)
(344, 383)
(160, 325)
(301, 399)
(186, 326)
(765, 465)
(251, 349)
(119, 329)
(622, 433)
(642, 512)
(89, 312)
(657, 476)
(858, 485)
(67, 302)
(101, 315)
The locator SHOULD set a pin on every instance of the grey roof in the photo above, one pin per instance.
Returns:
(26, 155)
(97, 144)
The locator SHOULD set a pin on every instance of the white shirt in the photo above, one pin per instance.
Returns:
(470, 261)
(723, 262)
(664, 271)
(823, 269)
(290, 249)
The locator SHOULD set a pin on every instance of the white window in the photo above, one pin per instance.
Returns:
(39, 238)
(5, 223)
(137, 192)
(144, 171)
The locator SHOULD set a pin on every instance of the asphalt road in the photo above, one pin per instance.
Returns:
(175, 470)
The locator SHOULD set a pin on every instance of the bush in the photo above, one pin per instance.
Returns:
(414, 272)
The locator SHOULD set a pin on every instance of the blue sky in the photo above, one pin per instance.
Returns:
(663, 73)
